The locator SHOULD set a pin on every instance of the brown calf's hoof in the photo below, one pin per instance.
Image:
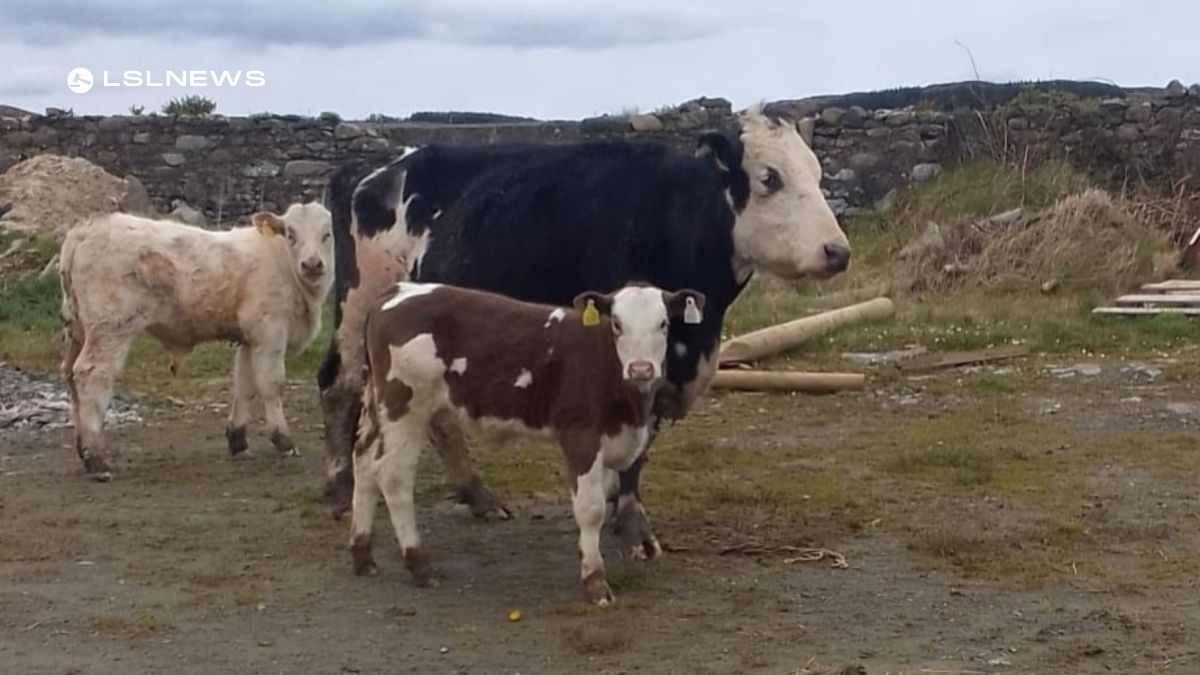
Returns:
(97, 469)
(483, 504)
(417, 562)
(236, 438)
(597, 590)
(284, 444)
(633, 529)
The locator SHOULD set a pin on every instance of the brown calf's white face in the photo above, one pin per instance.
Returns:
(307, 230)
(639, 317)
(787, 228)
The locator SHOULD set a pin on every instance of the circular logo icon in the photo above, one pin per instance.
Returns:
(79, 80)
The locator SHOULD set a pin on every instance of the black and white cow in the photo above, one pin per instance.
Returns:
(544, 223)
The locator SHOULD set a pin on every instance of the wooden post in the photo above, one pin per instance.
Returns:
(785, 336)
(762, 380)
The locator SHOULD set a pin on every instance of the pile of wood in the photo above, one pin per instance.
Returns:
(740, 352)
(1177, 296)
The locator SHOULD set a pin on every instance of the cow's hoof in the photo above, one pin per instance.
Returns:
(236, 438)
(483, 504)
(97, 469)
(633, 529)
(284, 444)
(364, 563)
(422, 570)
(365, 569)
(597, 590)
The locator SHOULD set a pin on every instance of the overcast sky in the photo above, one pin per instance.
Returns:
(574, 58)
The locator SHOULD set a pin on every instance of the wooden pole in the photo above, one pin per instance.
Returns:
(764, 380)
(785, 336)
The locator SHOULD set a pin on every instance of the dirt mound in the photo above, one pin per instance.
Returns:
(48, 193)
(1085, 241)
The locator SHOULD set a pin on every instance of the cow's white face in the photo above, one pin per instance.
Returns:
(787, 228)
(307, 230)
(638, 318)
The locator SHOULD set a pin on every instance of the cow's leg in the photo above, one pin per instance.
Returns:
(447, 436)
(401, 442)
(92, 375)
(341, 384)
(588, 502)
(243, 396)
(72, 346)
(632, 526)
(267, 363)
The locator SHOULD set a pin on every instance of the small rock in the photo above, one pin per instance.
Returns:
(142, 137)
(844, 175)
(191, 142)
(1128, 132)
(646, 123)
(1175, 89)
(1194, 91)
(926, 171)
(444, 650)
(305, 167)
(832, 116)
(173, 158)
(370, 144)
(346, 130)
(1183, 409)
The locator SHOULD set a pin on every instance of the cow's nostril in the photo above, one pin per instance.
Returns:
(837, 257)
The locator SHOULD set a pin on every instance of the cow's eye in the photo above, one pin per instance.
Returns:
(291, 236)
(616, 327)
(663, 326)
(326, 236)
(772, 181)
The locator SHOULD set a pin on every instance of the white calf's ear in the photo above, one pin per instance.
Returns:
(267, 224)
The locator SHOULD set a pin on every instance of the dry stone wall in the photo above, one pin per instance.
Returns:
(230, 167)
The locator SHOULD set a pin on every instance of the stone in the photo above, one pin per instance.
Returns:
(838, 206)
(173, 158)
(57, 112)
(184, 213)
(898, 118)
(646, 123)
(316, 146)
(142, 137)
(844, 175)
(370, 144)
(1175, 89)
(864, 160)
(261, 170)
(605, 124)
(1128, 132)
(111, 123)
(1017, 123)
(854, 117)
(305, 167)
(832, 116)
(1139, 113)
(1194, 91)
(926, 171)
(220, 156)
(191, 142)
(888, 201)
(879, 132)
(346, 130)
(1191, 135)
(1073, 138)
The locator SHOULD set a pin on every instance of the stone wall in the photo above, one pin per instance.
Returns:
(230, 167)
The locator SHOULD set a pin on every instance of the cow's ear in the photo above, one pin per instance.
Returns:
(268, 223)
(602, 302)
(686, 304)
(723, 152)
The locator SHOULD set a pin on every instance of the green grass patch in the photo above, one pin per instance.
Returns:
(965, 465)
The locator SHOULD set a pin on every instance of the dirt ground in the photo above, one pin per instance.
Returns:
(1036, 518)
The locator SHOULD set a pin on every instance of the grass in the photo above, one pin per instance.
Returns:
(968, 466)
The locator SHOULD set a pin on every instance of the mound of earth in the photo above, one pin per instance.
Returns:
(1087, 241)
(49, 193)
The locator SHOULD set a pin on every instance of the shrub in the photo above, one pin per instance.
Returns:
(190, 105)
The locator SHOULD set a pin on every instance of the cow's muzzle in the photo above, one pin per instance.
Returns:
(640, 371)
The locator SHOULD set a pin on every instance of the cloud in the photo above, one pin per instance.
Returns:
(26, 88)
(334, 23)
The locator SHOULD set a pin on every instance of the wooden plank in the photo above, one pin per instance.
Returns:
(1131, 311)
(775, 339)
(951, 359)
(765, 380)
(1174, 285)
(1171, 298)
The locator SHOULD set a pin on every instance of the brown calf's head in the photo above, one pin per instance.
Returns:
(308, 231)
(639, 317)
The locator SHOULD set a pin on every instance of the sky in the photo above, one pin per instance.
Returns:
(566, 59)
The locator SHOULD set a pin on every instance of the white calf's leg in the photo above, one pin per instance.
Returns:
(268, 367)
(243, 395)
(402, 441)
(362, 520)
(93, 375)
(589, 502)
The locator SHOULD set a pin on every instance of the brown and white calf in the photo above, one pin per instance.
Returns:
(261, 287)
(585, 377)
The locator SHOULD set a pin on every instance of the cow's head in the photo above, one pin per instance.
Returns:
(783, 224)
(307, 230)
(638, 317)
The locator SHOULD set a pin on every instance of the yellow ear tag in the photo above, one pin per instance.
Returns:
(591, 315)
(691, 313)
(264, 229)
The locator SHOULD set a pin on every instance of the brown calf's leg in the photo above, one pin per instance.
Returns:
(243, 395)
(451, 444)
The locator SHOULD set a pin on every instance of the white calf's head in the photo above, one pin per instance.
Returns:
(307, 230)
(783, 223)
(638, 317)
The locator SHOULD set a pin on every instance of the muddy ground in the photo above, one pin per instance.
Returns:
(1041, 517)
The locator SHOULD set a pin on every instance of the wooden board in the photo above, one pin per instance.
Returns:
(1169, 298)
(951, 359)
(780, 338)
(1131, 311)
(764, 380)
(1174, 285)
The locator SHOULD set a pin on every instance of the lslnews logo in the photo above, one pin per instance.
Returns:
(81, 80)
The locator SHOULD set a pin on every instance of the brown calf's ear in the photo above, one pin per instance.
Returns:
(601, 302)
(267, 223)
(685, 303)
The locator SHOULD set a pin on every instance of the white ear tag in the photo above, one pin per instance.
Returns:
(691, 313)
